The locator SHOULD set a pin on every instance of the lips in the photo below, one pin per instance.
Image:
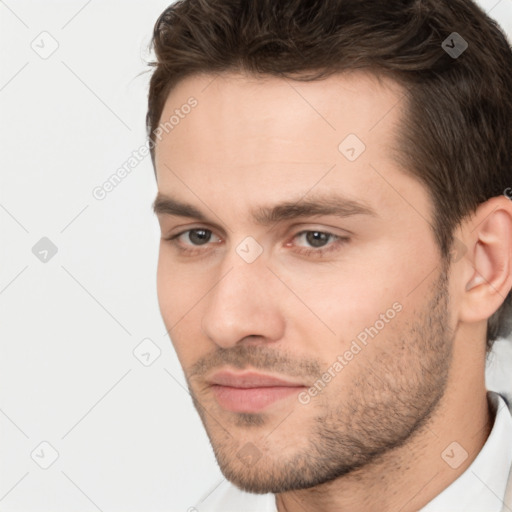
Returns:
(250, 391)
(250, 380)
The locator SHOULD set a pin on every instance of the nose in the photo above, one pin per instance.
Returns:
(243, 303)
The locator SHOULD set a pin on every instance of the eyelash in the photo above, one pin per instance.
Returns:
(319, 252)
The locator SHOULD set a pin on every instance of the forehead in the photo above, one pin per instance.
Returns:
(266, 115)
(253, 137)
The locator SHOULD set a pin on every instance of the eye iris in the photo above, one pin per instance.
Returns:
(317, 238)
(199, 236)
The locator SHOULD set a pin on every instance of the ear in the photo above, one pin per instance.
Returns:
(486, 273)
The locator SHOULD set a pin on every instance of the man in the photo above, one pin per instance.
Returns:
(336, 253)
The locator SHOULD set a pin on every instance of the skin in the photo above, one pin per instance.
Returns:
(383, 421)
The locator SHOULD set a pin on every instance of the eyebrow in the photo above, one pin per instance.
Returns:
(326, 204)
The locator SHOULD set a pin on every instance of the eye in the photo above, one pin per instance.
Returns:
(315, 238)
(195, 237)
(198, 236)
(190, 242)
(318, 241)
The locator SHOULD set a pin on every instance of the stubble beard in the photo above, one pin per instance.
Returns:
(390, 400)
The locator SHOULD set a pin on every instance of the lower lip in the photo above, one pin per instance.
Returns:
(251, 399)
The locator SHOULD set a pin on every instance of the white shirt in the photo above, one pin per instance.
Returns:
(480, 488)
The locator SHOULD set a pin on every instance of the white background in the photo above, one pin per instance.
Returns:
(127, 436)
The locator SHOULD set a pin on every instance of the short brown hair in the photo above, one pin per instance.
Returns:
(457, 135)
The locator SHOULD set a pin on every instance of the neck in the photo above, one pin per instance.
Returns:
(406, 478)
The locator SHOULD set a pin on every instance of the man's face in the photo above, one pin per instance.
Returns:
(347, 307)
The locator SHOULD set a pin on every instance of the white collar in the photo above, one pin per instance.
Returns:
(482, 486)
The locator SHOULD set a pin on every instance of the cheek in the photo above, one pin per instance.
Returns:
(346, 301)
(175, 286)
(164, 284)
(172, 291)
(364, 299)
(178, 294)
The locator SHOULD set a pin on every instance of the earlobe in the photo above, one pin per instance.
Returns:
(489, 235)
